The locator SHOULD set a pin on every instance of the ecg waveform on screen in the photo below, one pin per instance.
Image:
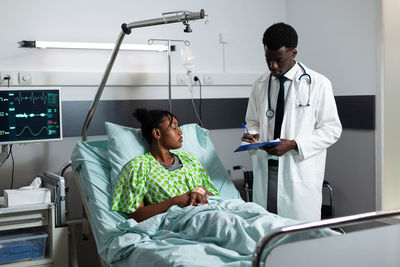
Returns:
(30, 115)
(50, 99)
(30, 130)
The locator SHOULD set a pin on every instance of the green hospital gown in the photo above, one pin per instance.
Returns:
(145, 178)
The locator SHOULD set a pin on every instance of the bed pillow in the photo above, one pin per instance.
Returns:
(126, 143)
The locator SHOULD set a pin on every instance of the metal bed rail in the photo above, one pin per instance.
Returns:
(330, 223)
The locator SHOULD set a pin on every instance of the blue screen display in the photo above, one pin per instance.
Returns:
(29, 115)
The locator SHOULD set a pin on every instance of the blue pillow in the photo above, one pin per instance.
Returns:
(126, 143)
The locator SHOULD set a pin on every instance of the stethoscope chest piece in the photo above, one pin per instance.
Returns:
(270, 113)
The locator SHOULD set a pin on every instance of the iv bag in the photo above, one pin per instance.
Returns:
(187, 58)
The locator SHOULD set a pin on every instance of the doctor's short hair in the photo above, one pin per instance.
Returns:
(279, 35)
(150, 119)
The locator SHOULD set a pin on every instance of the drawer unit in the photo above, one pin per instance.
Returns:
(22, 245)
(24, 219)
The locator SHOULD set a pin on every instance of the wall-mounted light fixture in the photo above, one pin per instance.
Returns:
(94, 46)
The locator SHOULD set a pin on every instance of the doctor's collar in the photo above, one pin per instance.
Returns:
(291, 73)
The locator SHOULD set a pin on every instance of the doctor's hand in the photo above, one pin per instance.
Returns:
(282, 148)
(250, 138)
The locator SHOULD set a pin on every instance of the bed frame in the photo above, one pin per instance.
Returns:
(372, 247)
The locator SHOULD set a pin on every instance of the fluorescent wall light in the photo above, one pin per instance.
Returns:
(94, 46)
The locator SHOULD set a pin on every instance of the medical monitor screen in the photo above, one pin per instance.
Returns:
(29, 115)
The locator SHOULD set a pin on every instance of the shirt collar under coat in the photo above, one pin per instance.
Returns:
(290, 74)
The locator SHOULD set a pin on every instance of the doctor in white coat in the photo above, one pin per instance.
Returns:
(297, 105)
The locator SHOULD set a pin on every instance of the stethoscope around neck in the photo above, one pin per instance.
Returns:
(270, 112)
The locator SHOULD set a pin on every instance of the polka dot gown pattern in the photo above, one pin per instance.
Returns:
(145, 178)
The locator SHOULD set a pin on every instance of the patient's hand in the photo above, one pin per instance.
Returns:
(190, 198)
(197, 198)
(182, 200)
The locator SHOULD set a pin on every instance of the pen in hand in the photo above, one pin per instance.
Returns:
(248, 135)
(244, 125)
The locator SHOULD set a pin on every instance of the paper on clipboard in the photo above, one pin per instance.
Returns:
(248, 146)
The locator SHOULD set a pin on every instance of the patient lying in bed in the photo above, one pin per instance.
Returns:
(162, 186)
(152, 183)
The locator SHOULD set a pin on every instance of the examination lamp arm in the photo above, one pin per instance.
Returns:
(180, 16)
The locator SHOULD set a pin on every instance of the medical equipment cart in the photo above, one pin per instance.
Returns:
(33, 218)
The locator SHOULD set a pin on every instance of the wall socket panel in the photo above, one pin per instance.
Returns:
(208, 79)
(3, 75)
(24, 78)
(181, 79)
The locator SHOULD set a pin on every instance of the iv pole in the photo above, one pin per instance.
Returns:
(187, 43)
(179, 16)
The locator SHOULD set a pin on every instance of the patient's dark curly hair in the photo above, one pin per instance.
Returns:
(150, 119)
(279, 35)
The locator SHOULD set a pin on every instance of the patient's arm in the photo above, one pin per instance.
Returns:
(189, 198)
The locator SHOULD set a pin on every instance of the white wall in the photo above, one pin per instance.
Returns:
(341, 39)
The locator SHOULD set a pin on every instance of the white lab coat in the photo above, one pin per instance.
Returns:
(314, 128)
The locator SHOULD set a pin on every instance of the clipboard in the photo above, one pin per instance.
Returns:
(248, 146)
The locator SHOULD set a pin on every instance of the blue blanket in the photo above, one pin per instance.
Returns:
(223, 233)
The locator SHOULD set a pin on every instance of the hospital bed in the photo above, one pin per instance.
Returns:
(174, 238)
(96, 164)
